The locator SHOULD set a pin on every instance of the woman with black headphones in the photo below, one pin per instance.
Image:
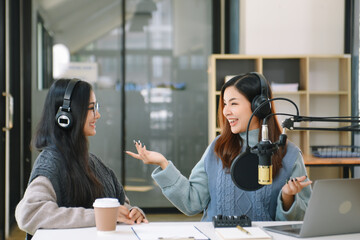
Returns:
(66, 179)
(210, 187)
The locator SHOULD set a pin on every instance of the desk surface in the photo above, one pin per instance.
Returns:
(125, 232)
(310, 160)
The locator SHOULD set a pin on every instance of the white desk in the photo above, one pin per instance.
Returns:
(125, 232)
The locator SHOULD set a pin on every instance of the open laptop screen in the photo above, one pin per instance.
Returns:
(334, 208)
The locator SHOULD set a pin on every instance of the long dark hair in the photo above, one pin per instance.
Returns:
(227, 146)
(82, 185)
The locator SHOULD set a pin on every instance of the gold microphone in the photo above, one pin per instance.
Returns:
(265, 152)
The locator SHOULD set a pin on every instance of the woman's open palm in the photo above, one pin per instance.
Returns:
(148, 157)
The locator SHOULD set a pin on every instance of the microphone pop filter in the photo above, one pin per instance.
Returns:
(244, 171)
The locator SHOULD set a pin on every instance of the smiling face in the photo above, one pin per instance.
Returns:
(90, 127)
(237, 110)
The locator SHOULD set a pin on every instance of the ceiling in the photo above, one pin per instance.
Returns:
(76, 23)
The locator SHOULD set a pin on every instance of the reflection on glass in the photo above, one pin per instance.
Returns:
(166, 92)
(167, 47)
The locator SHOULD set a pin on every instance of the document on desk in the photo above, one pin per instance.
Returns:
(232, 233)
(151, 232)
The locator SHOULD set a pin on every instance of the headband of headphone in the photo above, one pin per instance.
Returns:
(63, 117)
(259, 99)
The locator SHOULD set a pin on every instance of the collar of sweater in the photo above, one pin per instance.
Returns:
(253, 137)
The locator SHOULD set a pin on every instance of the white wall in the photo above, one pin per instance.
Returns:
(292, 27)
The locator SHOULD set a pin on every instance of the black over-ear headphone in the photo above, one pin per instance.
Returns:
(63, 116)
(259, 99)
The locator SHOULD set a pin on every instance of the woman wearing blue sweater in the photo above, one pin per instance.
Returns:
(210, 188)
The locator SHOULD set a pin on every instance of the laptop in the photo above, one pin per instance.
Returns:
(334, 208)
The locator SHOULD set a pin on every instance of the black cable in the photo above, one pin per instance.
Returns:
(283, 114)
(264, 121)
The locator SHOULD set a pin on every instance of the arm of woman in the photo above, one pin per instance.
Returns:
(39, 209)
(295, 194)
(190, 196)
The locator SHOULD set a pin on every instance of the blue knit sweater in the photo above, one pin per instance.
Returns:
(211, 190)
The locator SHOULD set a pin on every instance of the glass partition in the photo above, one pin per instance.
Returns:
(167, 44)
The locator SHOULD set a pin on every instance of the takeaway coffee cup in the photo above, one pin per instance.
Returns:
(106, 211)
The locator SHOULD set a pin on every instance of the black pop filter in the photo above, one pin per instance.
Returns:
(244, 171)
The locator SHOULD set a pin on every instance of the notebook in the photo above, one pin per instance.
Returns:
(232, 233)
(334, 208)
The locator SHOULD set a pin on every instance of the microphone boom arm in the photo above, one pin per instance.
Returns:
(289, 123)
(242, 168)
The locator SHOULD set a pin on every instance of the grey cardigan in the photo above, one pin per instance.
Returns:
(50, 164)
(40, 208)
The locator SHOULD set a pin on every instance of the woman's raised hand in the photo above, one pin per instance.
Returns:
(292, 187)
(148, 157)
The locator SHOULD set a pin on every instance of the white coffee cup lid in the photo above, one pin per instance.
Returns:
(106, 202)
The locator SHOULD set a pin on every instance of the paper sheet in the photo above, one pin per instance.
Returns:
(151, 232)
(234, 233)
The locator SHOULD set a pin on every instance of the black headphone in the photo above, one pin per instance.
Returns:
(63, 116)
(259, 99)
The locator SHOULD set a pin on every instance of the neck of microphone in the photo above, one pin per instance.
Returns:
(265, 152)
(264, 132)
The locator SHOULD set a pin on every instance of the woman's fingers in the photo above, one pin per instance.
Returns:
(305, 184)
(140, 149)
(295, 185)
(127, 221)
(124, 219)
(302, 183)
(123, 211)
(123, 215)
(137, 145)
(136, 216)
(148, 157)
(302, 178)
(134, 155)
(293, 188)
(130, 217)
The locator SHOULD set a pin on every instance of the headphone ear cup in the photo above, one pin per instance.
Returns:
(264, 110)
(63, 119)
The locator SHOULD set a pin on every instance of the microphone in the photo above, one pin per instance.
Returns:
(264, 150)
(252, 169)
